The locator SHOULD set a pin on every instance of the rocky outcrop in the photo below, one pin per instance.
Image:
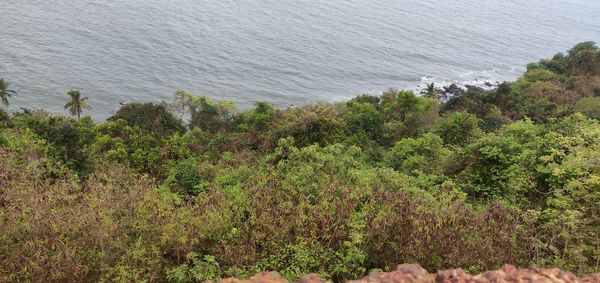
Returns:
(412, 273)
(452, 90)
(508, 273)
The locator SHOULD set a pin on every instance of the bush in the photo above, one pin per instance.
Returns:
(209, 115)
(426, 154)
(150, 117)
(459, 128)
(333, 189)
(439, 233)
(3, 141)
(589, 106)
(68, 141)
(363, 118)
(186, 177)
(4, 119)
(197, 269)
(118, 141)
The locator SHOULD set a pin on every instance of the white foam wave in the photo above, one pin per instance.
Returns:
(483, 79)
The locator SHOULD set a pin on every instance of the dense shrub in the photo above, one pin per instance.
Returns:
(68, 140)
(489, 177)
(150, 117)
(589, 106)
(459, 128)
(438, 232)
(207, 114)
(3, 141)
(4, 119)
(118, 141)
(426, 154)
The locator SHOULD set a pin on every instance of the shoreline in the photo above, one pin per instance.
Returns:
(444, 87)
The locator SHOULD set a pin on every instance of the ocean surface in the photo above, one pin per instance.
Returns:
(286, 52)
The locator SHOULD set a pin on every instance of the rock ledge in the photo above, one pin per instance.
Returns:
(408, 273)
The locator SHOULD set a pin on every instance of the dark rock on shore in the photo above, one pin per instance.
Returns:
(451, 90)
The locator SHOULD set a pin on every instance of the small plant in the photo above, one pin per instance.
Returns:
(196, 269)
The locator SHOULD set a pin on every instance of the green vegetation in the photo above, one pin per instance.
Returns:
(489, 177)
(5, 93)
(77, 104)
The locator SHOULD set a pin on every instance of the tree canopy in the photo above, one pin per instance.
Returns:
(197, 189)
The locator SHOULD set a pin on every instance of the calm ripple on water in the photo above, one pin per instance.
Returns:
(280, 51)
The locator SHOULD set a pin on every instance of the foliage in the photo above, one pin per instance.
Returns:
(68, 140)
(583, 46)
(3, 141)
(363, 118)
(205, 113)
(459, 128)
(117, 141)
(5, 120)
(426, 154)
(510, 175)
(150, 117)
(5, 92)
(77, 104)
(186, 178)
(589, 106)
(196, 270)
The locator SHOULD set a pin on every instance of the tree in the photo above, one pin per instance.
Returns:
(364, 118)
(209, 115)
(430, 91)
(77, 104)
(586, 45)
(425, 154)
(397, 104)
(459, 128)
(68, 142)
(150, 117)
(5, 93)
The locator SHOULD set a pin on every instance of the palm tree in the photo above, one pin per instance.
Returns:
(77, 104)
(430, 91)
(5, 93)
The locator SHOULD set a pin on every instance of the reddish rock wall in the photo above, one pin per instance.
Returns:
(409, 273)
